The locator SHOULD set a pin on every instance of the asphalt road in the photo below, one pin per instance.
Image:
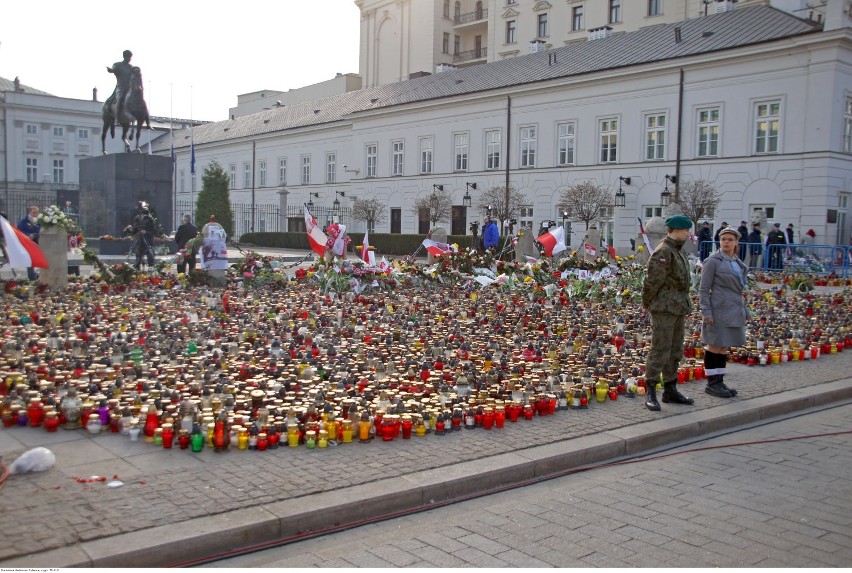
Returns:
(736, 500)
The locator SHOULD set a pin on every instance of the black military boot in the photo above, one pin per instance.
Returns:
(715, 387)
(651, 399)
(670, 394)
(722, 383)
(721, 363)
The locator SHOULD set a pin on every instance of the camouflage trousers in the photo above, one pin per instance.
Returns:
(666, 347)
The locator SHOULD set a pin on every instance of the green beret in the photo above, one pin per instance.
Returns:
(678, 222)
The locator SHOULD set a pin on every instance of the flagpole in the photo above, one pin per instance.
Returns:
(175, 217)
(191, 160)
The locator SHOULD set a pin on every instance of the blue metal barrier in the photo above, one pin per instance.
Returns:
(795, 257)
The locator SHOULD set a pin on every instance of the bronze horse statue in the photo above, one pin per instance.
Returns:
(134, 113)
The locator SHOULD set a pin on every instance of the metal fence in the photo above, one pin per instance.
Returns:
(323, 214)
(16, 204)
(267, 217)
(793, 257)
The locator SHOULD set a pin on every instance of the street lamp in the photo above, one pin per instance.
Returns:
(336, 204)
(666, 195)
(466, 200)
(619, 195)
(311, 201)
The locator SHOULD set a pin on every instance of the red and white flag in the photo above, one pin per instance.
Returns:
(591, 250)
(553, 241)
(384, 266)
(367, 255)
(436, 248)
(610, 250)
(316, 237)
(22, 251)
(645, 237)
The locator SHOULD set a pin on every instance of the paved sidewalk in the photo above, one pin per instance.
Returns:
(176, 506)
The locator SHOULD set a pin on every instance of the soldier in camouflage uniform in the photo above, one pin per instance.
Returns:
(665, 293)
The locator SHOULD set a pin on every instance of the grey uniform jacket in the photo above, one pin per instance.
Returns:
(721, 294)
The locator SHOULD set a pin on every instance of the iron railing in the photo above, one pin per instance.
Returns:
(793, 257)
(469, 55)
(266, 217)
(481, 14)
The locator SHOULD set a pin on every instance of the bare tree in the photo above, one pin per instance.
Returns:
(439, 203)
(585, 201)
(371, 211)
(698, 199)
(495, 200)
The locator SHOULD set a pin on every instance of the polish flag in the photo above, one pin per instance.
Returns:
(367, 256)
(22, 251)
(610, 250)
(591, 250)
(553, 241)
(316, 237)
(645, 237)
(384, 266)
(436, 248)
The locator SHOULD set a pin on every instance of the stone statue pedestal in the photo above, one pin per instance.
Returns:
(592, 238)
(525, 246)
(53, 242)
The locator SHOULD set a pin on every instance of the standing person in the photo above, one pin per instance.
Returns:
(775, 254)
(122, 72)
(490, 233)
(743, 231)
(185, 233)
(716, 236)
(143, 228)
(705, 237)
(755, 246)
(30, 227)
(665, 293)
(789, 232)
(808, 239)
(723, 279)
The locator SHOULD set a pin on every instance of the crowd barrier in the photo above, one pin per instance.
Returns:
(801, 258)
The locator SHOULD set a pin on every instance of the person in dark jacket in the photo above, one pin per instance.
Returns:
(743, 231)
(665, 293)
(789, 231)
(185, 233)
(719, 230)
(143, 228)
(30, 227)
(755, 246)
(705, 238)
(723, 279)
(775, 252)
(490, 233)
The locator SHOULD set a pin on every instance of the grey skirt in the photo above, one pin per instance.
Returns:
(715, 335)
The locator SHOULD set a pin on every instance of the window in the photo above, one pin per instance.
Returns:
(456, 45)
(460, 147)
(609, 140)
(182, 177)
(233, 169)
(847, 126)
(655, 8)
(542, 25)
(457, 11)
(767, 126)
(445, 47)
(306, 169)
(371, 160)
(577, 18)
(708, 132)
(247, 180)
(330, 167)
(58, 131)
(397, 157)
(282, 171)
(446, 8)
(652, 211)
(509, 2)
(32, 129)
(614, 11)
(59, 171)
(565, 133)
(655, 136)
(426, 155)
(525, 219)
(768, 209)
(492, 149)
(32, 170)
(82, 134)
(528, 146)
(510, 31)
(261, 168)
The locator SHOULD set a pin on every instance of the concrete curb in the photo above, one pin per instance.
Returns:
(200, 538)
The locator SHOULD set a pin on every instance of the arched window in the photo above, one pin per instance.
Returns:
(446, 8)
(458, 11)
(479, 10)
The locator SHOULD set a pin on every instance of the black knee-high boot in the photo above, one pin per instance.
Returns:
(721, 366)
(712, 363)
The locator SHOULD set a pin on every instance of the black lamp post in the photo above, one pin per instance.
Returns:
(311, 201)
(619, 195)
(666, 195)
(336, 204)
(466, 200)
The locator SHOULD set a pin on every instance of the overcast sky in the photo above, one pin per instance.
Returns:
(195, 56)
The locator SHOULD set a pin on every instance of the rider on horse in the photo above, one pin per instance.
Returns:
(122, 71)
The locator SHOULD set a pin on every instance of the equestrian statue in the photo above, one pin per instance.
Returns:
(126, 106)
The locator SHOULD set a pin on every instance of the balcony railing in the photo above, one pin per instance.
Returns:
(469, 55)
(471, 17)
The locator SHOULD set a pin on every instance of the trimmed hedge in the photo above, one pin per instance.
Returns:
(384, 243)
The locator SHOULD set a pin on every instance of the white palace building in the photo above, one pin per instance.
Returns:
(754, 100)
